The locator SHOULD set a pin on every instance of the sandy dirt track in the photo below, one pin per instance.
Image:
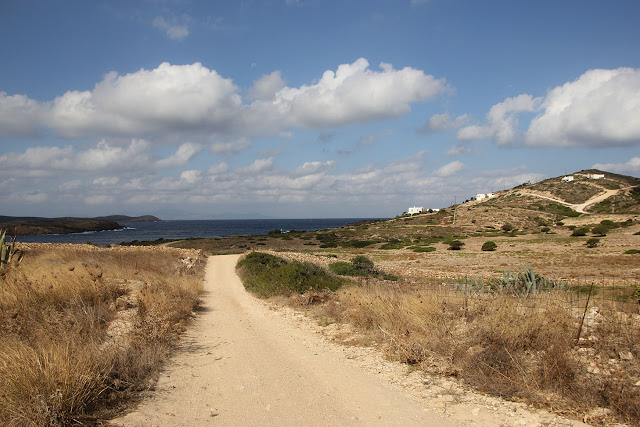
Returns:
(243, 364)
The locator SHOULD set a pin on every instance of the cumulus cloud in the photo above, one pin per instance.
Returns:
(502, 121)
(259, 165)
(598, 109)
(440, 122)
(174, 29)
(170, 98)
(458, 150)
(450, 169)
(174, 100)
(230, 147)
(182, 156)
(632, 166)
(104, 157)
(601, 108)
(266, 87)
(19, 115)
(354, 93)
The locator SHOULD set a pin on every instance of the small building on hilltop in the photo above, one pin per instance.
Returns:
(595, 176)
(415, 210)
(480, 196)
(568, 178)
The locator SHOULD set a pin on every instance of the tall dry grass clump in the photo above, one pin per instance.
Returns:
(517, 347)
(82, 328)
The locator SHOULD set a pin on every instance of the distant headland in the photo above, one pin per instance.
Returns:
(19, 226)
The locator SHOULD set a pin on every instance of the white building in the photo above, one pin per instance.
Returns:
(481, 196)
(595, 176)
(415, 210)
(568, 178)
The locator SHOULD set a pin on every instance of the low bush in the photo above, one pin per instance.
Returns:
(489, 246)
(600, 230)
(455, 245)
(424, 249)
(267, 275)
(632, 251)
(592, 243)
(506, 227)
(359, 266)
(578, 232)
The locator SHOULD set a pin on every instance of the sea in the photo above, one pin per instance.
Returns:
(184, 229)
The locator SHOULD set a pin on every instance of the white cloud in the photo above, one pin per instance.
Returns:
(104, 157)
(182, 156)
(218, 169)
(503, 125)
(266, 87)
(450, 169)
(354, 93)
(173, 100)
(440, 122)
(173, 29)
(601, 108)
(170, 98)
(259, 165)
(19, 115)
(458, 150)
(230, 147)
(632, 166)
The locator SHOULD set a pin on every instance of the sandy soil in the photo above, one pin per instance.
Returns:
(245, 362)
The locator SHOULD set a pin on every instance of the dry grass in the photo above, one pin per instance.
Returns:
(82, 328)
(520, 349)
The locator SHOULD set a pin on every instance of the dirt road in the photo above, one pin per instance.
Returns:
(242, 364)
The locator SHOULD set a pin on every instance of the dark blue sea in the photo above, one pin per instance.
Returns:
(145, 231)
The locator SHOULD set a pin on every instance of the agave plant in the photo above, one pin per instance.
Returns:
(525, 282)
(8, 252)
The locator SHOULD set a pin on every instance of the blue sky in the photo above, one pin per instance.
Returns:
(283, 108)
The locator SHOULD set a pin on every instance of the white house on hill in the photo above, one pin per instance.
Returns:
(568, 178)
(415, 210)
(595, 176)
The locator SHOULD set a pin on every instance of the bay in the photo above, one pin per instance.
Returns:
(184, 229)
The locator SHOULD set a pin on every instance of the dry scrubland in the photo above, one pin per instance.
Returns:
(84, 328)
(566, 350)
(574, 349)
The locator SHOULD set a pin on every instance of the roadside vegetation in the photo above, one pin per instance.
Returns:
(83, 328)
(266, 275)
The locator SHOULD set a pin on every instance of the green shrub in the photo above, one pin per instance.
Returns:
(507, 227)
(593, 242)
(632, 251)
(489, 246)
(545, 229)
(600, 230)
(359, 266)
(423, 249)
(582, 231)
(455, 245)
(267, 275)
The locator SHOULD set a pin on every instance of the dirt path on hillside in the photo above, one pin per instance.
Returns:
(244, 363)
(581, 208)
